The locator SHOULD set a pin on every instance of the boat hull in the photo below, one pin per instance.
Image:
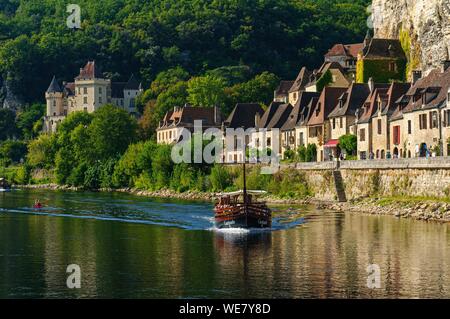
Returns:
(243, 217)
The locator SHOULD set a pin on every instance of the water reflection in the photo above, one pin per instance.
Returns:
(323, 256)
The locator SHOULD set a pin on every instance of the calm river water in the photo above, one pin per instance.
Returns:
(133, 247)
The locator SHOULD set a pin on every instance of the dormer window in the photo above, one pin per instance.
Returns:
(341, 104)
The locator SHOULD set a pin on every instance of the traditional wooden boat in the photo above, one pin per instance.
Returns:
(241, 210)
(4, 186)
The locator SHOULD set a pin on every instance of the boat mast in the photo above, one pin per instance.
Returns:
(245, 177)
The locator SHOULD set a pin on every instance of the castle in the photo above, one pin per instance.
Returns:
(89, 91)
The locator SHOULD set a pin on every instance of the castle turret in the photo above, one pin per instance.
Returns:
(54, 97)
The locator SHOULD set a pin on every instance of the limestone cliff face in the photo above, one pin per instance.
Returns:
(426, 21)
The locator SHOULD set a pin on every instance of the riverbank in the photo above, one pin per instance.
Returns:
(426, 209)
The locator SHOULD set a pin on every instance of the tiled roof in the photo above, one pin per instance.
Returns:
(435, 86)
(90, 71)
(396, 91)
(284, 87)
(351, 100)
(268, 114)
(54, 86)
(327, 101)
(69, 88)
(280, 117)
(305, 114)
(302, 102)
(243, 115)
(349, 50)
(185, 117)
(384, 48)
(370, 105)
(117, 90)
(301, 80)
(132, 84)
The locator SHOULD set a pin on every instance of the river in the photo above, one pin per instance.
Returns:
(135, 247)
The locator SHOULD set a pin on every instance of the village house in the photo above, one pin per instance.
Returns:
(267, 134)
(319, 128)
(330, 74)
(299, 85)
(381, 59)
(446, 126)
(281, 93)
(380, 123)
(420, 121)
(342, 118)
(170, 129)
(244, 116)
(301, 129)
(288, 129)
(363, 122)
(346, 55)
(90, 91)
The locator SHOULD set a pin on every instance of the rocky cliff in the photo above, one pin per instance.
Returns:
(423, 23)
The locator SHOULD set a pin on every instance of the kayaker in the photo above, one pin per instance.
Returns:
(37, 204)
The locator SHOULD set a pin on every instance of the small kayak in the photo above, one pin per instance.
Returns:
(37, 206)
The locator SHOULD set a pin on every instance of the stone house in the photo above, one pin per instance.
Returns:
(301, 128)
(174, 122)
(420, 117)
(385, 142)
(381, 59)
(330, 74)
(244, 116)
(288, 130)
(446, 126)
(319, 128)
(346, 55)
(88, 93)
(363, 123)
(281, 93)
(299, 85)
(342, 118)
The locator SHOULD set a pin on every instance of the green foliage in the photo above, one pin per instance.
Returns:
(379, 71)
(311, 153)
(147, 37)
(349, 144)
(220, 178)
(8, 127)
(302, 153)
(207, 91)
(42, 151)
(12, 151)
(324, 80)
(29, 121)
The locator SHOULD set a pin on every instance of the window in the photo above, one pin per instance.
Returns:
(301, 139)
(85, 100)
(100, 100)
(396, 134)
(393, 67)
(409, 127)
(334, 123)
(423, 121)
(434, 119)
(54, 103)
(100, 90)
(295, 96)
(380, 129)
(447, 118)
(85, 91)
(362, 135)
(341, 122)
(269, 142)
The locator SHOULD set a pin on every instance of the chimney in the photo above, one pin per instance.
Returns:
(217, 118)
(371, 85)
(257, 119)
(416, 76)
(445, 65)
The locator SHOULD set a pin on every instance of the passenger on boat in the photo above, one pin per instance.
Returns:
(37, 204)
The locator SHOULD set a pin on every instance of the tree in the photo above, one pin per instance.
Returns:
(13, 151)
(26, 120)
(349, 144)
(111, 131)
(41, 151)
(7, 124)
(207, 91)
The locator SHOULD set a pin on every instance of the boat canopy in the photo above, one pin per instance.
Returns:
(241, 192)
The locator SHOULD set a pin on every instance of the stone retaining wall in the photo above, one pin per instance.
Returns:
(400, 177)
